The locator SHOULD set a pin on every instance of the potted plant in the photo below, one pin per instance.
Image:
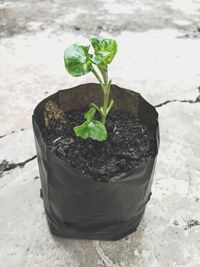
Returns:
(96, 147)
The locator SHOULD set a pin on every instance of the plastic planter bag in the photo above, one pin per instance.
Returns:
(75, 205)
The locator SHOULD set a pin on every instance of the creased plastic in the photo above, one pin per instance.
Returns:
(75, 205)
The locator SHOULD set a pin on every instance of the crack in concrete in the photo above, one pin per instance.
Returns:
(12, 132)
(192, 223)
(180, 101)
(6, 166)
(197, 100)
(104, 258)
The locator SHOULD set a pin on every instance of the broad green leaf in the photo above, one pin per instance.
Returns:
(104, 49)
(97, 130)
(93, 129)
(96, 60)
(77, 60)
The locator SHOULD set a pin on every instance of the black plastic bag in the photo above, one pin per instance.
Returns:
(75, 205)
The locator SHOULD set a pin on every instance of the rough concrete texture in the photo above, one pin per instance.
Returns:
(158, 56)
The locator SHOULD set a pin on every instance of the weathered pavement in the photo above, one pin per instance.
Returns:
(159, 57)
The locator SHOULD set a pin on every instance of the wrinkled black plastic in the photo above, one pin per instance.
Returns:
(75, 205)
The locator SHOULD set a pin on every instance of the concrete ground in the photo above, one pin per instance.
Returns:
(159, 56)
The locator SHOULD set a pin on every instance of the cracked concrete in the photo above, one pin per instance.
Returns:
(12, 132)
(68, 15)
(6, 166)
(197, 100)
(159, 57)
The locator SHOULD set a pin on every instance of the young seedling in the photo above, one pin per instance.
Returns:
(79, 61)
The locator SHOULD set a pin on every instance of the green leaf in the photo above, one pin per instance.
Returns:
(89, 115)
(82, 130)
(96, 60)
(93, 129)
(104, 49)
(97, 130)
(77, 60)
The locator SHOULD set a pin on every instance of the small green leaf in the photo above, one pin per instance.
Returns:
(104, 49)
(93, 129)
(82, 130)
(77, 60)
(89, 115)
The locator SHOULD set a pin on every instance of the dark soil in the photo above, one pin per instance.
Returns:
(129, 144)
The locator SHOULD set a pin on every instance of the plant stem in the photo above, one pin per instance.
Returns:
(98, 78)
(105, 87)
(104, 72)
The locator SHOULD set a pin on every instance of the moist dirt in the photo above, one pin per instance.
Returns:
(130, 143)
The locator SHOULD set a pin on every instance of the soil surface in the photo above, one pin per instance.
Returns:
(129, 144)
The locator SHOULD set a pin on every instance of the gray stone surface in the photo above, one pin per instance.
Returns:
(159, 57)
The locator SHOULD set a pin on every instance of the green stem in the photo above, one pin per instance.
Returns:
(104, 72)
(105, 86)
(105, 106)
(98, 78)
(97, 108)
